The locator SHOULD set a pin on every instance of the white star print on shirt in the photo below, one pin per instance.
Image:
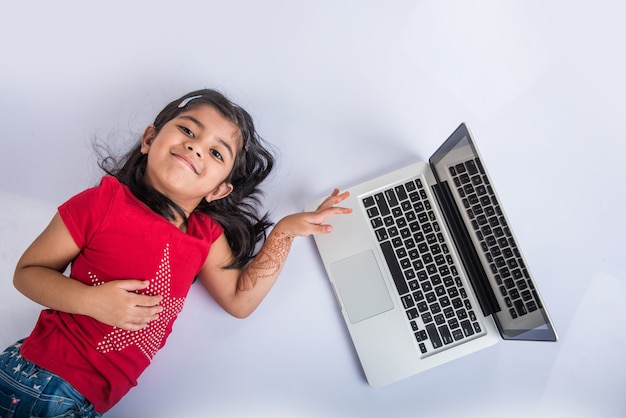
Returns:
(148, 339)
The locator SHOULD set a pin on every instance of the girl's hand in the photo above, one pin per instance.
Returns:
(308, 223)
(116, 303)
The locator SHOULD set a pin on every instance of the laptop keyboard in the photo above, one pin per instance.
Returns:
(426, 277)
(496, 241)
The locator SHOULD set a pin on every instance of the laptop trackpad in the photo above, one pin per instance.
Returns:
(361, 286)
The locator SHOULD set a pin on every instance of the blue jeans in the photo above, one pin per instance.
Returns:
(27, 390)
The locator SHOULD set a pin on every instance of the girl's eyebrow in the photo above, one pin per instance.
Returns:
(201, 126)
(194, 120)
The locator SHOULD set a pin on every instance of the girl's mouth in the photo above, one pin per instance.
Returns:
(187, 162)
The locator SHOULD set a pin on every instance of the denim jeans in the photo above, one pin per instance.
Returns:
(27, 390)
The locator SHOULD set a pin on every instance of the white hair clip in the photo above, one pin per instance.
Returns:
(187, 100)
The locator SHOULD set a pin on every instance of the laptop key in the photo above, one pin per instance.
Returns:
(467, 328)
(381, 234)
(407, 301)
(471, 167)
(391, 198)
(457, 334)
(435, 340)
(401, 193)
(382, 204)
(412, 314)
(394, 268)
(519, 307)
(446, 337)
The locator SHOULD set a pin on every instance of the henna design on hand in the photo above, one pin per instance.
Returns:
(268, 262)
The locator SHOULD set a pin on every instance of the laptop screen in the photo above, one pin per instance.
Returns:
(486, 243)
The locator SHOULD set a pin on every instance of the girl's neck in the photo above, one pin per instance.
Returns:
(179, 222)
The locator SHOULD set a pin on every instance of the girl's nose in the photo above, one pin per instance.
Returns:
(190, 148)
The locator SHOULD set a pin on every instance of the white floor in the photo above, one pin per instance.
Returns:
(345, 89)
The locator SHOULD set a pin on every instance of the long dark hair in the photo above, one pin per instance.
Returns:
(243, 226)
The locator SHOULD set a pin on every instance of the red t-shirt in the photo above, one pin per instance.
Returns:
(120, 238)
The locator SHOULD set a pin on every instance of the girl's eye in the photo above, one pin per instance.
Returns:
(217, 155)
(187, 131)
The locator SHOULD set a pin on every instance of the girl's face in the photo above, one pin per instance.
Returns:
(191, 157)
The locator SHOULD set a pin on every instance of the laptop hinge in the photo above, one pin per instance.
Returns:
(467, 251)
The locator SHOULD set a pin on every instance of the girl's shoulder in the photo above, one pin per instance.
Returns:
(106, 186)
(102, 193)
(84, 213)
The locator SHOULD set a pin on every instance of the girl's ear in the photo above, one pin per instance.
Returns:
(223, 190)
(147, 138)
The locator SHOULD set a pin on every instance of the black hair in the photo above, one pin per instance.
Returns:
(243, 226)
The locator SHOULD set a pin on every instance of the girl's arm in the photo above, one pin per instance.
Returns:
(239, 292)
(39, 276)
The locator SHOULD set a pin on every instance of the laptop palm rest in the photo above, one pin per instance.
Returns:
(361, 287)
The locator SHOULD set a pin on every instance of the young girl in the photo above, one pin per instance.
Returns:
(180, 207)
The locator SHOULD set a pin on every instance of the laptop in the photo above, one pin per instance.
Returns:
(427, 268)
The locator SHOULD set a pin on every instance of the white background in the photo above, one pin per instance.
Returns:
(345, 90)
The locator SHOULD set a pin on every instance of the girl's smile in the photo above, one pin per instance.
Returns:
(186, 161)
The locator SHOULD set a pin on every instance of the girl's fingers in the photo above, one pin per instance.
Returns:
(324, 214)
(333, 199)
